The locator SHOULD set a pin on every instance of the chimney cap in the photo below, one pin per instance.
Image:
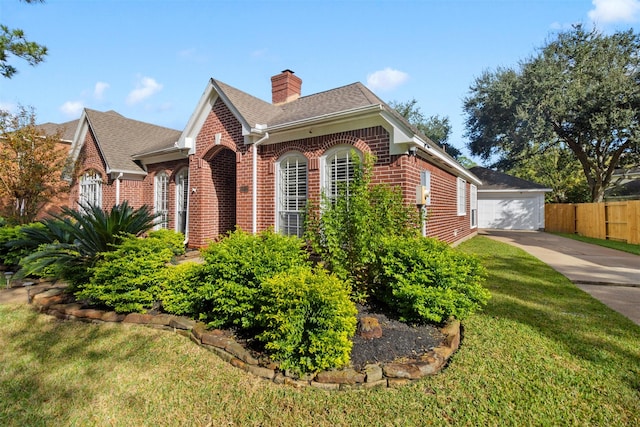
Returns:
(287, 71)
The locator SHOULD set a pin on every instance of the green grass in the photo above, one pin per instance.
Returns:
(542, 353)
(612, 244)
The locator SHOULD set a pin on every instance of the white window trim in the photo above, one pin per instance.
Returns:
(461, 196)
(303, 162)
(182, 186)
(90, 189)
(473, 198)
(161, 206)
(339, 150)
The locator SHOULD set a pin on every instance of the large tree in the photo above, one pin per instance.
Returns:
(31, 166)
(436, 128)
(13, 42)
(580, 94)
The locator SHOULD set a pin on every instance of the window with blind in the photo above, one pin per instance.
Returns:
(339, 167)
(91, 189)
(292, 194)
(182, 195)
(162, 200)
(462, 197)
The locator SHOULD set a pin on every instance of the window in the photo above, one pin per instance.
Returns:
(292, 194)
(338, 170)
(91, 189)
(161, 199)
(462, 197)
(182, 196)
(473, 195)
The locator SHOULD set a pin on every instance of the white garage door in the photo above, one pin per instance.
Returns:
(509, 212)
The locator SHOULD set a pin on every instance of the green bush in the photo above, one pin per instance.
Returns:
(70, 243)
(174, 240)
(233, 270)
(307, 320)
(346, 232)
(128, 279)
(179, 291)
(423, 279)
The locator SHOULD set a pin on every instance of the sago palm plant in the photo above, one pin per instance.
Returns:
(72, 241)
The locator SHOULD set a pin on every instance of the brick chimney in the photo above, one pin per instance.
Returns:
(285, 87)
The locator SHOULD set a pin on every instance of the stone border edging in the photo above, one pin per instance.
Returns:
(383, 375)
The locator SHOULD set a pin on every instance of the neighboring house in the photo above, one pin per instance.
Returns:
(241, 161)
(625, 185)
(507, 202)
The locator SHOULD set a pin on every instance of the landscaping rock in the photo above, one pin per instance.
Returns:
(402, 370)
(369, 328)
(373, 373)
(214, 339)
(340, 376)
(138, 318)
(182, 323)
(240, 352)
(112, 316)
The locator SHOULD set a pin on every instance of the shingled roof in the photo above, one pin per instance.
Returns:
(120, 137)
(498, 181)
(67, 129)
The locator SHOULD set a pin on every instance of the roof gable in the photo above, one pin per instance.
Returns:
(119, 138)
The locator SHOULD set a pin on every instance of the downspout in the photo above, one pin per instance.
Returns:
(254, 196)
(118, 188)
(186, 216)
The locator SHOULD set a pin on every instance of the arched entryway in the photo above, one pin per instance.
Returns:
(223, 176)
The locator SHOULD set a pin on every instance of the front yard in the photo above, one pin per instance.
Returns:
(541, 353)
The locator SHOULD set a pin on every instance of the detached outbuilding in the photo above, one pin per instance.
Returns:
(509, 203)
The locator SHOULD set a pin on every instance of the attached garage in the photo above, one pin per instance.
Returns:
(509, 203)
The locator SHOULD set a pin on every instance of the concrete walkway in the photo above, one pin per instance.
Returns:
(609, 275)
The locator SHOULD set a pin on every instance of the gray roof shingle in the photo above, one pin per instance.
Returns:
(119, 138)
(493, 180)
(67, 129)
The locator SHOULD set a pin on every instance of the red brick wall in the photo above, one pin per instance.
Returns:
(88, 159)
(213, 167)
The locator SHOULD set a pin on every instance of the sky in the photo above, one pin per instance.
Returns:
(151, 60)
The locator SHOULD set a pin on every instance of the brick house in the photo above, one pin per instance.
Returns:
(242, 161)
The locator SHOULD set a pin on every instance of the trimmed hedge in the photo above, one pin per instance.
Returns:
(425, 280)
(307, 320)
(233, 270)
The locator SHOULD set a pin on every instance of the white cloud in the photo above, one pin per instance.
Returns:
(608, 11)
(72, 109)
(8, 106)
(145, 88)
(98, 91)
(386, 79)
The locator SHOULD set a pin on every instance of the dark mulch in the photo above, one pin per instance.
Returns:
(399, 340)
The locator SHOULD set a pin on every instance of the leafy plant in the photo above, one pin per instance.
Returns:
(347, 231)
(128, 279)
(235, 267)
(174, 240)
(72, 241)
(307, 319)
(425, 280)
(10, 252)
(179, 291)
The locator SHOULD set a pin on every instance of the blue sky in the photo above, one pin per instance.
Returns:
(150, 60)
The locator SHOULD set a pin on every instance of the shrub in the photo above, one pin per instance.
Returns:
(174, 240)
(128, 279)
(307, 319)
(72, 242)
(423, 279)
(234, 268)
(12, 245)
(179, 291)
(347, 231)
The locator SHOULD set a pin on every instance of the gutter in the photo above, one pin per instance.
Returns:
(254, 195)
(118, 188)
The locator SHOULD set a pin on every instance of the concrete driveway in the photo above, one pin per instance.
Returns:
(609, 275)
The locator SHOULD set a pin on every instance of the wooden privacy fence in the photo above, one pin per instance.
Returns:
(609, 220)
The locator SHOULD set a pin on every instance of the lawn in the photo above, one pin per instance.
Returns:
(542, 353)
(612, 244)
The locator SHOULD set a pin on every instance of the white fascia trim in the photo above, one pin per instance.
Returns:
(537, 190)
(79, 137)
(128, 175)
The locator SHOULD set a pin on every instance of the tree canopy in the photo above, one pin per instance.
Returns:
(579, 96)
(13, 42)
(436, 128)
(31, 166)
